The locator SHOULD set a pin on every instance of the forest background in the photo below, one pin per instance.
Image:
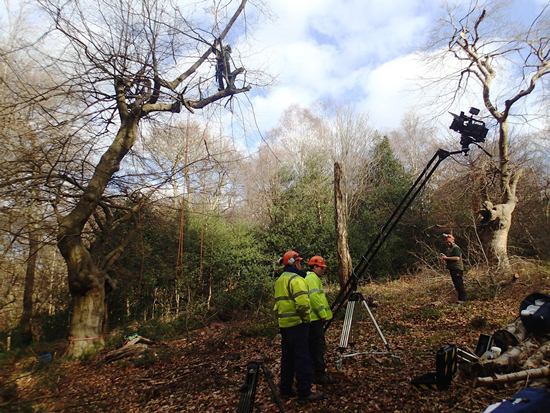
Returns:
(190, 227)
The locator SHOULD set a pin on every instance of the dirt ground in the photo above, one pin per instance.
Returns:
(203, 371)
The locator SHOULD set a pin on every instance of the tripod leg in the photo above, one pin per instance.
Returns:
(346, 328)
(274, 394)
(248, 389)
(376, 325)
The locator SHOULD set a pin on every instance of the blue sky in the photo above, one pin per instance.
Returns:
(360, 53)
(355, 52)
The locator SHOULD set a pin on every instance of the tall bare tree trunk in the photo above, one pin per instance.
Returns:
(87, 287)
(181, 238)
(494, 229)
(497, 218)
(25, 321)
(86, 279)
(181, 255)
(341, 223)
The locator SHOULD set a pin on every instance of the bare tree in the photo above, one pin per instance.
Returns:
(483, 53)
(345, 266)
(27, 222)
(346, 136)
(261, 182)
(414, 143)
(124, 60)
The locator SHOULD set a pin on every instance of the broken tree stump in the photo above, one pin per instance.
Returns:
(133, 348)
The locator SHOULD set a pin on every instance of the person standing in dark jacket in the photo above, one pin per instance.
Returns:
(453, 260)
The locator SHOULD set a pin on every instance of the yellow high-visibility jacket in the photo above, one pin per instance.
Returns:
(291, 300)
(320, 308)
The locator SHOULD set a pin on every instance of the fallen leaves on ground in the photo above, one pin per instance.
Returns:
(203, 371)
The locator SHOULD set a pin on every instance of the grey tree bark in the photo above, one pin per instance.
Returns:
(137, 95)
(340, 219)
(30, 272)
(472, 45)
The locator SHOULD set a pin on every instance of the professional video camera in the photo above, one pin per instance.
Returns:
(471, 130)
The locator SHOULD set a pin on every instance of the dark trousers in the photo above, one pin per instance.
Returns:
(295, 360)
(458, 281)
(317, 346)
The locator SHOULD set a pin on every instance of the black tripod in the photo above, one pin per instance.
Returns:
(349, 293)
(248, 389)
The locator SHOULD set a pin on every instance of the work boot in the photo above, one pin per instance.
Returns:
(311, 398)
(324, 379)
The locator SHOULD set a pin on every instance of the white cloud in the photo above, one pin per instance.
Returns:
(390, 91)
(354, 52)
(329, 49)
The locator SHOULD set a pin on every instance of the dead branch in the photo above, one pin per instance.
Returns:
(133, 348)
(512, 377)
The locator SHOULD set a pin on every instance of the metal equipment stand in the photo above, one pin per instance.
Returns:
(472, 132)
(349, 292)
(347, 329)
(248, 389)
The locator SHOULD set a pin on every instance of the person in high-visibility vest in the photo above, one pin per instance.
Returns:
(292, 306)
(320, 312)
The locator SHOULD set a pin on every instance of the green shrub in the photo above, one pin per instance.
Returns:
(54, 327)
(155, 330)
(115, 340)
(230, 304)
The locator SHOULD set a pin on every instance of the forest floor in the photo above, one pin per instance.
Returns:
(203, 370)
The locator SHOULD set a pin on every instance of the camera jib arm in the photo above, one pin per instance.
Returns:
(472, 131)
(360, 271)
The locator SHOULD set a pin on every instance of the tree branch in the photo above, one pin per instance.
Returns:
(176, 82)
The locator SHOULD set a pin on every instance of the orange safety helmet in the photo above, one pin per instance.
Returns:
(291, 257)
(318, 261)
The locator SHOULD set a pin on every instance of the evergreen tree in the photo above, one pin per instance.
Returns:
(387, 184)
(302, 216)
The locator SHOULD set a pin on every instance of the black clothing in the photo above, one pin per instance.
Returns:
(317, 347)
(458, 281)
(295, 360)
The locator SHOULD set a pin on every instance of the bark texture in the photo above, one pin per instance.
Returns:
(340, 219)
(26, 316)
(86, 278)
(495, 223)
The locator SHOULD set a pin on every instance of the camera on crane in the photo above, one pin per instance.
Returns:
(471, 130)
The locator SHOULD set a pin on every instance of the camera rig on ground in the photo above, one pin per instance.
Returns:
(472, 131)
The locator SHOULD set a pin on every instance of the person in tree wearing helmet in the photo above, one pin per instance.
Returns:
(293, 309)
(320, 312)
(453, 260)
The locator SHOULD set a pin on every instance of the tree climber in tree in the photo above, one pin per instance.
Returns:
(223, 66)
